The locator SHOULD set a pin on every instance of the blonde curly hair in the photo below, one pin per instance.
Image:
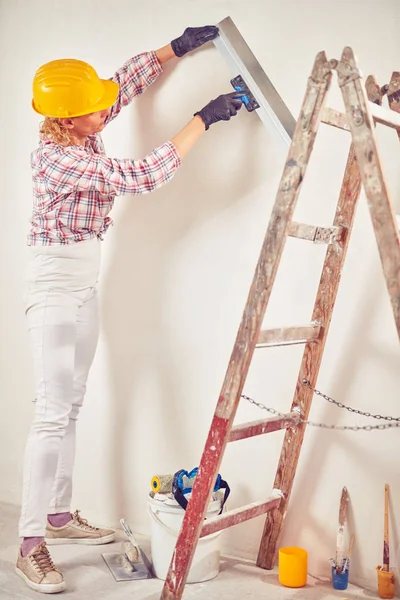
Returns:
(54, 130)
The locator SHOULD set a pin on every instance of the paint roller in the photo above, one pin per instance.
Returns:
(162, 484)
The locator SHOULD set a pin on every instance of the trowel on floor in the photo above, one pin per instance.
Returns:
(131, 563)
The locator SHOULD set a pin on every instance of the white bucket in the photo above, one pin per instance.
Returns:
(166, 521)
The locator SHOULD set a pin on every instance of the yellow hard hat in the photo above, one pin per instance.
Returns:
(71, 88)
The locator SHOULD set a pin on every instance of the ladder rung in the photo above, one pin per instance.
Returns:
(318, 235)
(379, 113)
(286, 336)
(384, 115)
(239, 515)
(246, 430)
(333, 117)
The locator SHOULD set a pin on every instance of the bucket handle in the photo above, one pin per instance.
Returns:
(174, 532)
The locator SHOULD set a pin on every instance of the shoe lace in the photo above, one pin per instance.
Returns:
(42, 559)
(83, 522)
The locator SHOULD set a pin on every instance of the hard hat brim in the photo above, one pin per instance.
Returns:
(109, 97)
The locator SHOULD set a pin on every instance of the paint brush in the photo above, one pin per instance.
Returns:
(346, 562)
(344, 499)
(386, 560)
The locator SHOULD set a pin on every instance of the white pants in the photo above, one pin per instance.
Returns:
(63, 323)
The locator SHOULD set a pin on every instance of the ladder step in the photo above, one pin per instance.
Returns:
(239, 515)
(379, 113)
(318, 235)
(253, 428)
(333, 117)
(287, 336)
(384, 115)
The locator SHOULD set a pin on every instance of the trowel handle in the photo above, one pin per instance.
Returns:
(128, 531)
(126, 527)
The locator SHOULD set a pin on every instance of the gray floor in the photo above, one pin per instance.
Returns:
(87, 576)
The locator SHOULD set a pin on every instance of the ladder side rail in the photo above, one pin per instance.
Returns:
(249, 329)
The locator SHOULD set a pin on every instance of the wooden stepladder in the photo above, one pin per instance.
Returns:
(363, 167)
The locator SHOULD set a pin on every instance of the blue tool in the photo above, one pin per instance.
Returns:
(183, 484)
(248, 99)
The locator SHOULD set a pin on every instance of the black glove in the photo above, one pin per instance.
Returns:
(221, 109)
(192, 38)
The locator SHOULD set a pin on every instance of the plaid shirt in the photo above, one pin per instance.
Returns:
(74, 186)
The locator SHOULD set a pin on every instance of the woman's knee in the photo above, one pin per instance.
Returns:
(50, 423)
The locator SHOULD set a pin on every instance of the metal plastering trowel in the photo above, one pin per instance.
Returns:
(131, 563)
(259, 93)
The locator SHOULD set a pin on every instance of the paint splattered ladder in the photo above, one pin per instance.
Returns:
(363, 167)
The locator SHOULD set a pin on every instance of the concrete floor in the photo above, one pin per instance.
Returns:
(87, 576)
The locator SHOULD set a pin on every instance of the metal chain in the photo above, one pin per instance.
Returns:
(297, 420)
(349, 408)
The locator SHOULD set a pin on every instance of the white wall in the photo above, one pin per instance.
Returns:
(178, 264)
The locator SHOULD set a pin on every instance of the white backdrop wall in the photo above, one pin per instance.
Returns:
(178, 264)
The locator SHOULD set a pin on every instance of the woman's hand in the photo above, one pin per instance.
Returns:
(192, 38)
(221, 109)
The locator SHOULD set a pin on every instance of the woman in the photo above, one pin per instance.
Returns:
(74, 186)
